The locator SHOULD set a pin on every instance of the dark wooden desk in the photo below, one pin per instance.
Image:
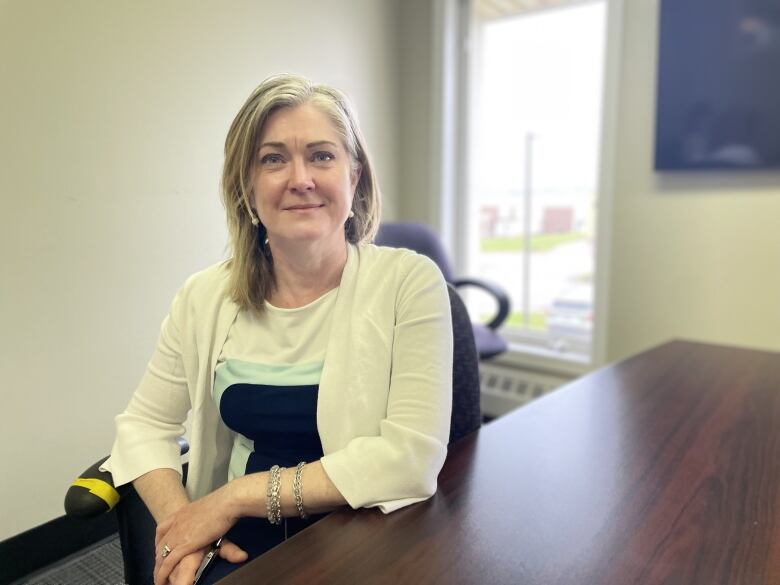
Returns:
(661, 469)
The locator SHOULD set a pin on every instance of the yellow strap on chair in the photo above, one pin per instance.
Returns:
(103, 490)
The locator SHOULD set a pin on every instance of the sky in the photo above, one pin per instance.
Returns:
(540, 73)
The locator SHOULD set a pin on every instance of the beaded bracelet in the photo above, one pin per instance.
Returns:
(273, 499)
(297, 491)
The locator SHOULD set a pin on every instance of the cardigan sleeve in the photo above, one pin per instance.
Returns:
(400, 466)
(147, 431)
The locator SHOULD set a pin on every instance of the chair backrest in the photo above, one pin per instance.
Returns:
(466, 411)
(418, 237)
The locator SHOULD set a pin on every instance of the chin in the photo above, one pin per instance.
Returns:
(308, 235)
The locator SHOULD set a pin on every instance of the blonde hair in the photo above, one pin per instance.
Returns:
(251, 274)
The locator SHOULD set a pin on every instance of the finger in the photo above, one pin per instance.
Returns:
(161, 531)
(158, 578)
(158, 559)
(167, 565)
(164, 571)
(232, 553)
(184, 573)
(158, 539)
(160, 553)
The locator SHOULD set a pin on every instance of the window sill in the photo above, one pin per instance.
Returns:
(540, 359)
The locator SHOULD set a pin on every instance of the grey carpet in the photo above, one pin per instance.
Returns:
(100, 564)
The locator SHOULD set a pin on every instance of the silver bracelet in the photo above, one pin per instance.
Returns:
(297, 492)
(276, 495)
(268, 499)
(273, 500)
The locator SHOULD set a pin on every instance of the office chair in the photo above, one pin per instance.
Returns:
(93, 493)
(423, 240)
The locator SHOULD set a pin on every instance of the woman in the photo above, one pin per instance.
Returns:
(309, 349)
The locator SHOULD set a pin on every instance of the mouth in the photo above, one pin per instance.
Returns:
(304, 207)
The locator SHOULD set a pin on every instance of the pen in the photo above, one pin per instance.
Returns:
(207, 561)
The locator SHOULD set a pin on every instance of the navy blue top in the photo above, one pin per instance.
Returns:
(281, 421)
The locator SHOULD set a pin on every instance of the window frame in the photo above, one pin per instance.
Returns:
(452, 98)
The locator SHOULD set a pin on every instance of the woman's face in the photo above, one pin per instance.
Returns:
(302, 182)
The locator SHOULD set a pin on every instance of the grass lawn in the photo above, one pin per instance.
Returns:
(539, 243)
(537, 321)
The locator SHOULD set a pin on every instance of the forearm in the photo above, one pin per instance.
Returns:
(247, 495)
(162, 492)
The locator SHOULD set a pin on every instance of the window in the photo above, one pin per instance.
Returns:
(535, 81)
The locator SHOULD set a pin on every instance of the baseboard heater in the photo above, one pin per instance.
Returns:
(505, 388)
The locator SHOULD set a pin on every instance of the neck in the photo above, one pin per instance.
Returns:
(304, 273)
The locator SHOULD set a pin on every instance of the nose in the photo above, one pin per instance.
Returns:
(301, 179)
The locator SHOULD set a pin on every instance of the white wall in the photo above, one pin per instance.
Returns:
(112, 121)
(694, 255)
(416, 110)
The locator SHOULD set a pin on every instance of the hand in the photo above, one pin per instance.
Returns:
(184, 572)
(193, 528)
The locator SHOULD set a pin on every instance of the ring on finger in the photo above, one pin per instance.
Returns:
(166, 550)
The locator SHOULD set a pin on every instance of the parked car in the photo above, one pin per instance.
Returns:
(570, 316)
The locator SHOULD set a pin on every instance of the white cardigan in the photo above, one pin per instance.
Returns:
(385, 395)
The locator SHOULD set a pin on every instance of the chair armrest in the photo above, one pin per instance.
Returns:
(183, 445)
(93, 492)
(496, 291)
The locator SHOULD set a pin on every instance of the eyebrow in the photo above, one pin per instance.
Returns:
(310, 145)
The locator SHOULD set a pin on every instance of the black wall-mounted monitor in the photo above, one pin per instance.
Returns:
(718, 85)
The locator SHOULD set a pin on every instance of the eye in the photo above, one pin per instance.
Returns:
(271, 159)
(323, 156)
